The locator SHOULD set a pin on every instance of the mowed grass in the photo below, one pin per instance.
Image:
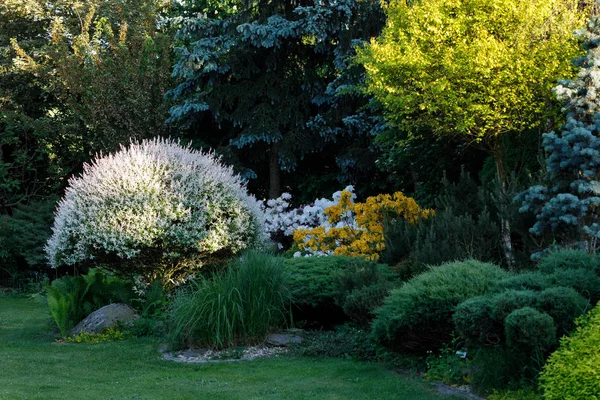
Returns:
(32, 366)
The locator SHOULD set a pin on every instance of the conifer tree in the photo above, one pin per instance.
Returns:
(567, 205)
(276, 76)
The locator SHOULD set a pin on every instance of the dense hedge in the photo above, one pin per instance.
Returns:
(573, 371)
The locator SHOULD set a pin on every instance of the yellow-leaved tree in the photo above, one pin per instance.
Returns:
(476, 69)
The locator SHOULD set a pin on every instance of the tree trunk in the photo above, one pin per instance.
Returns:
(274, 175)
(503, 208)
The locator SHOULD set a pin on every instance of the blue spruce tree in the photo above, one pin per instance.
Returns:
(567, 205)
(277, 76)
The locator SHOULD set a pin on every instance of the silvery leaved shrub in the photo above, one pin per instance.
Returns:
(154, 209)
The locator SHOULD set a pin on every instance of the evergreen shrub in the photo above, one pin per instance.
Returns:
(417, 316)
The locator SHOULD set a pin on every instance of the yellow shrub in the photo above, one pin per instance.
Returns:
(357, 228)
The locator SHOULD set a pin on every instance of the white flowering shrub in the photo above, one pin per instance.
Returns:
(154, 209)
(281, 220)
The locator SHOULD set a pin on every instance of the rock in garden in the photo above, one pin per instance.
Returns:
(106, 317)
(283, 339)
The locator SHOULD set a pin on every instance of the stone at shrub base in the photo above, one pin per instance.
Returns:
(106, 317)
(283, 339)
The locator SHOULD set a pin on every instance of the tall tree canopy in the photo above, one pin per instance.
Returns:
(472, 69)
(76, 78)
(275, 76)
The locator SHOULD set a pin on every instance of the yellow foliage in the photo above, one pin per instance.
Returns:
(361, 230)
(476, 68)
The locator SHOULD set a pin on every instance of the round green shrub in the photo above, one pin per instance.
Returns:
(526, 281)
(573, 371)
(506, 302)
(359, 305)
(569, 259)
(418, 315)
(584, 281)
(154, 209)
(473, 321)
(336, 288)
(529, 332)
(313, 280)
(563, 305)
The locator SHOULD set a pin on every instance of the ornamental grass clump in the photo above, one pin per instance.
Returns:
(241, 306)
(154, 209)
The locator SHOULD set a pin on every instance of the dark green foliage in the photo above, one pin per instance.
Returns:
(525, 281)
(473, 321)
(276, 79)
(418, 315)
(313, 280)
(24, 233)
(240, 306)
(533, 319)
(465, 226)
(569, 259)
(329, 290)
(360, 304)
(361, 288)
(584, 281)
(72, 298)
(529, 332)
(506, 302)
(564, 305)
(149, 326)
(344, 342)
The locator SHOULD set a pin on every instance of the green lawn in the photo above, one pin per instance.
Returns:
(33, 367)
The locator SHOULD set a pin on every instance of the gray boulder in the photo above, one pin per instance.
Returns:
(283, 339)
(106, 317)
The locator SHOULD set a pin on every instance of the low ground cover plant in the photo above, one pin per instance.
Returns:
(72, 298)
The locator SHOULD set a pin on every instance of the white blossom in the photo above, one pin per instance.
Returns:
(154, 195)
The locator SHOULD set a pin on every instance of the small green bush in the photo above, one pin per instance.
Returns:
(584, 281)
(564, 305)
(418, 315)
(473, 321)
(573, 371)
(240, 306)
(360, 304)
(313, 280)
(506, 302)
(526, 281)
(336, 288)
(569, 259)
(361, 288)
(529, 331)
